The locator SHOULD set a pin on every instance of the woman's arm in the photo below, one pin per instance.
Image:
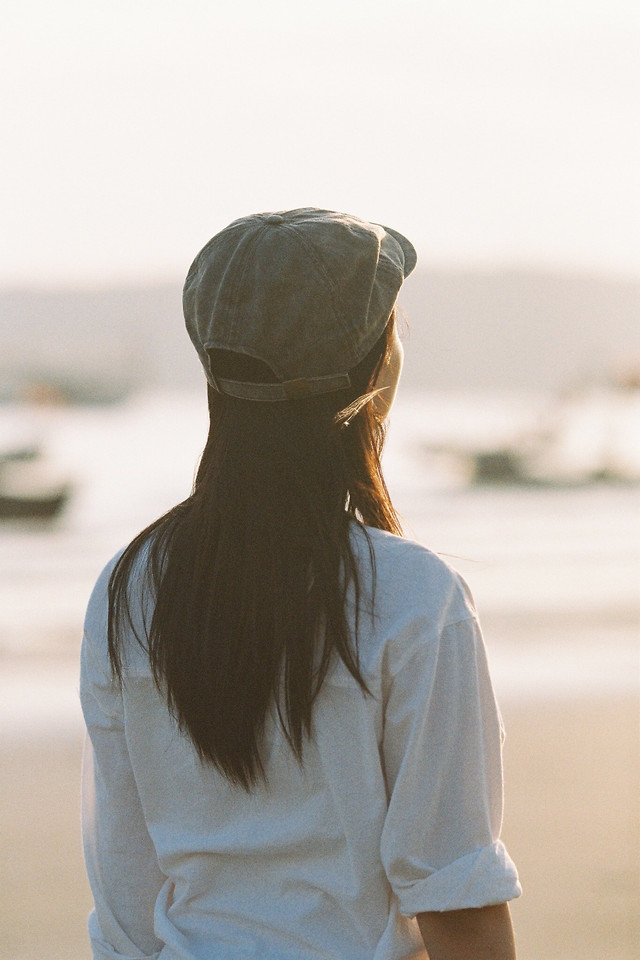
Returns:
(440, 843)
(120, 857)
(484, 933)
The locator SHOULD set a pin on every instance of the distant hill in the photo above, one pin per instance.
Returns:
(466, 330)
(518, 329)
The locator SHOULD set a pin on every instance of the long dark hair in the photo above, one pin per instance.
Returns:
(249, 575)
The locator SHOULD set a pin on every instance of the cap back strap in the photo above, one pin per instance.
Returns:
(288, 390)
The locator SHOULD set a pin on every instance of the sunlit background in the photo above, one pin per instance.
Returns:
(489, 131)
(503, 139)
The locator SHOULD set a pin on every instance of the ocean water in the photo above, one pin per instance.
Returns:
(555, 570)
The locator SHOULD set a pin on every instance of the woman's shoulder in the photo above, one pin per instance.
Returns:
(97, 614)
(97, 609)
(411, 577)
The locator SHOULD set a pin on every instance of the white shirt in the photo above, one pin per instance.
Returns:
(397, 809)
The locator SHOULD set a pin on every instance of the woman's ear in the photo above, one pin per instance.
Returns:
(388, 378)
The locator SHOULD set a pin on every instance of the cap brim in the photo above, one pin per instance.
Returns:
(410, 255)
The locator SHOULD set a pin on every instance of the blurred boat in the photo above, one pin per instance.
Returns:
(28, 452)
(30, 507)
(25, 493)
(46, 388)
(589, 435)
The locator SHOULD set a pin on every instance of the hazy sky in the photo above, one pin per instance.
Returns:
(486, 131)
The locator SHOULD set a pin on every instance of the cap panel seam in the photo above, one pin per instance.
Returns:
(387, 265)
(339, 314)
(383, 264)
(243, 267)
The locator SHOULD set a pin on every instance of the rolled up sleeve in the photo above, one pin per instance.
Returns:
(442, 747)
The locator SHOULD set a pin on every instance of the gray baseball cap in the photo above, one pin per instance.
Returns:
(306, 291)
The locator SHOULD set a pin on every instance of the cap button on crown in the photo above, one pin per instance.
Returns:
(275, 218)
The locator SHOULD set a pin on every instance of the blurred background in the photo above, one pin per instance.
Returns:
(502, 138)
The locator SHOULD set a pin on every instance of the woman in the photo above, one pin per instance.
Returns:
(294, 748)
